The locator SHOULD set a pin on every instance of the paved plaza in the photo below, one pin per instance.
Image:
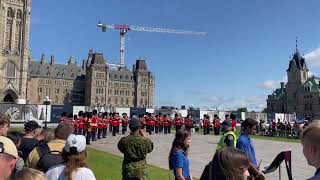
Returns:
(202, 149)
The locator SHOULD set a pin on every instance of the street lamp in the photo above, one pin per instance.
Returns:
(46, 101)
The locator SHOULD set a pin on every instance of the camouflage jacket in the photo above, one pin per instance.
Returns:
(135, 149)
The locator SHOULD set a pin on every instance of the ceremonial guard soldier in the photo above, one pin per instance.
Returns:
(157, 124)
(94, 124)
(105, 125)
(71, 120)
(110, 119)
(81, 122)
(100, 125)
(63, 118)
(143, 121)
(165, 124)
(178, 122)
(216, 124)
(124, 122)
(150, 123)
(169, 124)
(160, 122)
(75, 123)
(206, 124)
(188, 123)
(88, 129)
(115, 124)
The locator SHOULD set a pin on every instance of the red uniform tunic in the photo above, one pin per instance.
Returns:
(216, 123)
(115, 122)
(124, 122)
(157, 121)
(94, 122)
(234, 123)
(63, 120)
(105, 123)
(100, 123)
(81, 123)
(206, 123)
(188, 122)
(178, 122)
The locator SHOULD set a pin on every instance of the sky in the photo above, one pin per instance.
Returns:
(242, 59)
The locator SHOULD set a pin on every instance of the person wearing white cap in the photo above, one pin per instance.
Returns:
(8, 157)
(75, 157)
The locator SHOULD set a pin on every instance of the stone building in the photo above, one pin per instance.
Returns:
(300, 95)
(94, 83)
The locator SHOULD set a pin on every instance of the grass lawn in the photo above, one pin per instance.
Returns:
(107, 166)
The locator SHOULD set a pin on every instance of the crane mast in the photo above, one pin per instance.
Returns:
(125, 28)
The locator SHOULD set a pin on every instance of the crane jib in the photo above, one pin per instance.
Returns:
(122, 27)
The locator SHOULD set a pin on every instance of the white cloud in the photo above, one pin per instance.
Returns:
(313, 58)
(256, 103)
(272, 84)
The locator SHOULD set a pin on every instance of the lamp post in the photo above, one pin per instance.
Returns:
(46, 101)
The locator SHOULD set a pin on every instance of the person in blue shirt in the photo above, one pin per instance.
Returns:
(178, 157)
(244, 142)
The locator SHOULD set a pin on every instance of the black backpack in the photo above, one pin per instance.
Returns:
(48, 158)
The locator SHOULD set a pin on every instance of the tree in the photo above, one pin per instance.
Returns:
(243, 109)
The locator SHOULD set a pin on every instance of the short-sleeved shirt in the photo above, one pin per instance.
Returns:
(180, 160)
(57, 173)
(26, 146)
(245, 144)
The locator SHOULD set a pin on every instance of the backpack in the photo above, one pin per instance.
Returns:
(48, 158)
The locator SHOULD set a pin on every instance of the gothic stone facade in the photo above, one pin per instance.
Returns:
(300, 95)
(93, 84)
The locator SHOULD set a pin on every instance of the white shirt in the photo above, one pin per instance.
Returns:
(57, 173)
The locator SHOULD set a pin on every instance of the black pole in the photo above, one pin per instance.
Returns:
(45, 122)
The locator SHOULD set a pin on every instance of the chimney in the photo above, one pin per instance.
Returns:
(43, 59)
(282, 85)
(52, 60)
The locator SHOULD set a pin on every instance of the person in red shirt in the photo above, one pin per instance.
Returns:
(206, 124)
(216, 124)
(178, 122)
(105, 125)
(100, 125)
(233, 122)
(63, 118)
(188, 123)
(124, 122)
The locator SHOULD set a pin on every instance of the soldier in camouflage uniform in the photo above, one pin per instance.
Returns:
(135, 148)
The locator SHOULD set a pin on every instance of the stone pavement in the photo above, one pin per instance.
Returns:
(202, 149)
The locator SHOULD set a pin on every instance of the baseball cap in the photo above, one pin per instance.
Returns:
(31, 125)
(8, 147)
(75, 144)
(135, 122)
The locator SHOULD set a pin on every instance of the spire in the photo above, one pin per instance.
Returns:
(43, 59)
(297, 51)
(71, 60)
(52, 60)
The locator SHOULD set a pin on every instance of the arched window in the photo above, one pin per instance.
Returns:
(145, 102)
(10, 69)
(10, 13)
(127, 101)
(121, 101)
(116, 101)
(8, 39)
(19, 14)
